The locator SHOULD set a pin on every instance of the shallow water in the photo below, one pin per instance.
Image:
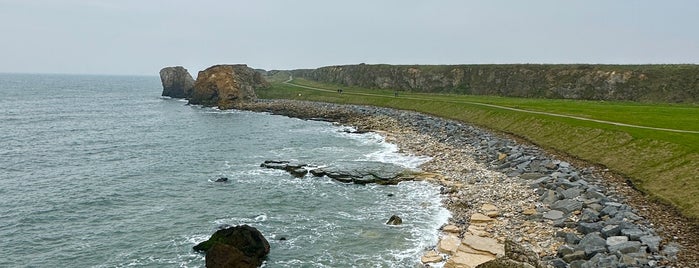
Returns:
(100, 171)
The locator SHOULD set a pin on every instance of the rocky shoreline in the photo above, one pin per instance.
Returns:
(502, 192)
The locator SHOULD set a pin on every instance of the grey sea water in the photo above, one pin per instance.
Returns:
(100, 171)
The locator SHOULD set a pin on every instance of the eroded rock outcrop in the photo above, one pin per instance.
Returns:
(238, 246)
(358, 172)
(226, 86)
(177, 82)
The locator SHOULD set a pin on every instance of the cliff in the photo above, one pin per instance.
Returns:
(226, 86)
(177, 82)
(649, 83)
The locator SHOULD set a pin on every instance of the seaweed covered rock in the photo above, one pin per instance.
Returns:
(226, 86)
(238, 246)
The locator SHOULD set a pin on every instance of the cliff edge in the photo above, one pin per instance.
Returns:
(648, 83)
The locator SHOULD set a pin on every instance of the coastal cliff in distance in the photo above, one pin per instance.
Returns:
(222, 86)
(645, 83)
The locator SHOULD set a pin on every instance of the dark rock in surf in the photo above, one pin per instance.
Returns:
(222, 179)
(177, 82)
(394, 220)
(239, 246)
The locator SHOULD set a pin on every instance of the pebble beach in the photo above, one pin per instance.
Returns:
(513, 203)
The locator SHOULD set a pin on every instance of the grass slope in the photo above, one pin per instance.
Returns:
(663, 164)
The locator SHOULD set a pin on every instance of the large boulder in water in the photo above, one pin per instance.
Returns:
(226, 86)
(238, 246)
(177, 82)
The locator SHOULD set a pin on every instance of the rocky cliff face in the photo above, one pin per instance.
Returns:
(226, 86)
(177, 82)
(658, 83)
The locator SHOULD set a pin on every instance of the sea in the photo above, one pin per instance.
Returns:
(101, 171)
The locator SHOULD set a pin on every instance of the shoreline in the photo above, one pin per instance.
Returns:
(502, 189)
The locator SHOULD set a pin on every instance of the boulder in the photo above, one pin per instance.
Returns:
(226, 256)
(238, 246)
(395, 220)
(226, 86)
(177, 82)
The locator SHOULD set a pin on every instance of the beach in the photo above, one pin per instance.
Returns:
(556, 208)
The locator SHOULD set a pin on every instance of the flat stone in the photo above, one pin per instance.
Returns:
(549, 197)
(431, 257)
(484, 244)
(571, 193)
(451, 229)
(593, 243)
(611, 230)
(466, 260)
(567, 205)
(626, 247)
(448, 244)
(477, 229)
(588, 227)
(577, 255)
(477, 217)
(490, 210)
(633, 233)
(589, 215)
(553, 214)
(652, 241)
(615, 240)
(529, 211)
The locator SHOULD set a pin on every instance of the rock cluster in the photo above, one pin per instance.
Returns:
(239, 246)
(358, 172)
(222, 86)
(177, 82)
(226, 86)
(496, 188)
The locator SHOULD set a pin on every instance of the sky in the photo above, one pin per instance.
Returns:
(139, 37)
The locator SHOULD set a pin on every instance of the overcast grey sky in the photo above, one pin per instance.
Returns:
(140, 36)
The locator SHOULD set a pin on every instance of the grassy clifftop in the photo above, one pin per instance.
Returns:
(645, 83)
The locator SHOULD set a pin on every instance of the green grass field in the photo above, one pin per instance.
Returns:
(663, 164)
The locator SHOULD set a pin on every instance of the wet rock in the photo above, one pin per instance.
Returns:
(221, 179)
(394, 220)
(243, 245)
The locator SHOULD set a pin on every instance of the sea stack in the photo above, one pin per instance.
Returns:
(226, 86)
(177, 82)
